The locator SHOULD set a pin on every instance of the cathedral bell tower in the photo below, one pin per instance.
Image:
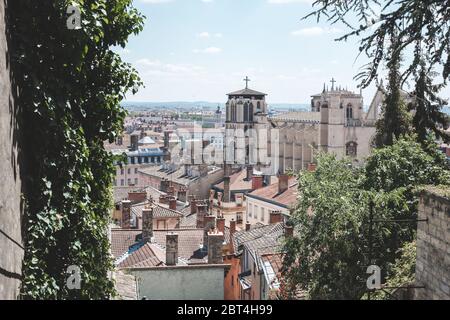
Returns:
(246, 116)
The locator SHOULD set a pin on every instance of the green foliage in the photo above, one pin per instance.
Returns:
(402, 273)
(427, 105)
(70, 85)
(329, 256)
(417, 21)
(395, 120)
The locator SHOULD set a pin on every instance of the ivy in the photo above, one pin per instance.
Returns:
(70, 84)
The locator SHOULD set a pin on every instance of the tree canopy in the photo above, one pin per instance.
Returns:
(332, 248)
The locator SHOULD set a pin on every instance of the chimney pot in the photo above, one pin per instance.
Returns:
(171, 249)
(283, 183)
(312, 167)
(232, 227)
(147, 224)
(276, 217)
(126, 214)
(288, 231)
(173, 203)
(215, 247)
(221, 224)
(257, 182)
(247, 226)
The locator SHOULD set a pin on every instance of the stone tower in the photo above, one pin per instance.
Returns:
(340, 110)
(246, 117)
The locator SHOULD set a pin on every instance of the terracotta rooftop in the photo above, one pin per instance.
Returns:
(238, 182)
(159, 211)
(129, 250)
(259, 236)
(270, 193)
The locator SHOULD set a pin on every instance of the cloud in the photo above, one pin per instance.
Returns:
(315, 31)
(148, 67)
(206, 35)
(210, 50)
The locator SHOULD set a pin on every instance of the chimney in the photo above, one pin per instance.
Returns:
(171, 190)
(247, 226)
(126, 214)
(137, 197)
(249, 173)
(209, 224)
(226, 189)
(283, 183)
(288, 231)
(134, 138)
(193, 204)
(232, 227)
(181, 194)
(201, 209)
(257, 182)
(166, 139)
(163, 199)
(172, 203)
(171, 249)
(276, 217)
(312, 167)
(220, 222)
(147, 224)
(215, 247)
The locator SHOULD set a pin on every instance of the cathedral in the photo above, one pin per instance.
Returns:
(336, 123)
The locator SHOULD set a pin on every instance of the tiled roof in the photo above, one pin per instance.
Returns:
(298, 116)
(238, 182)
(121, 193)
(246, 92)
(188, 220)
(260, 235)
(271, 266)
(125, 285)
(177, 176)
(141, 255)
(128, 241)
(158, 211)
(270, 193)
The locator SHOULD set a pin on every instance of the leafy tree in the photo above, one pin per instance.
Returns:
(402, 273)
(70, 83)
(427, 105)
(417, 21)
(329, 255)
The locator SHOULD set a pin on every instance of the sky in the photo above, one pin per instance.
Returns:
(200, 50)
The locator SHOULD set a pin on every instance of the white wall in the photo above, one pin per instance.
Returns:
(181, 283)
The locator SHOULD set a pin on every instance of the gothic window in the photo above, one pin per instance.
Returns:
(246, 112)
(351, 149)
(349, 111)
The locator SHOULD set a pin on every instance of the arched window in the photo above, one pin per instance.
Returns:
(258, 106)
(349, 113)
(246, 112)
(351, 149)
(250, 116)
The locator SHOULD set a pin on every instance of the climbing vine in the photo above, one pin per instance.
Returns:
(70, 84)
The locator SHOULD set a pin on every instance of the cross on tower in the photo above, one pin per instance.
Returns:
(332, 83)
(247, 80)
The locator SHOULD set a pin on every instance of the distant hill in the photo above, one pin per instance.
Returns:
(180, 105)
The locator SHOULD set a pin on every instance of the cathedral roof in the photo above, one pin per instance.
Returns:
(247, 92)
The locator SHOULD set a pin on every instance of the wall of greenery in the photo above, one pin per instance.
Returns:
(70, 84)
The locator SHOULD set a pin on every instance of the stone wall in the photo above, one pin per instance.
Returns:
(433, 245)
(11, 247)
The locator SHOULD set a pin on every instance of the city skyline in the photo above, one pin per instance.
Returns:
(214, 45)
